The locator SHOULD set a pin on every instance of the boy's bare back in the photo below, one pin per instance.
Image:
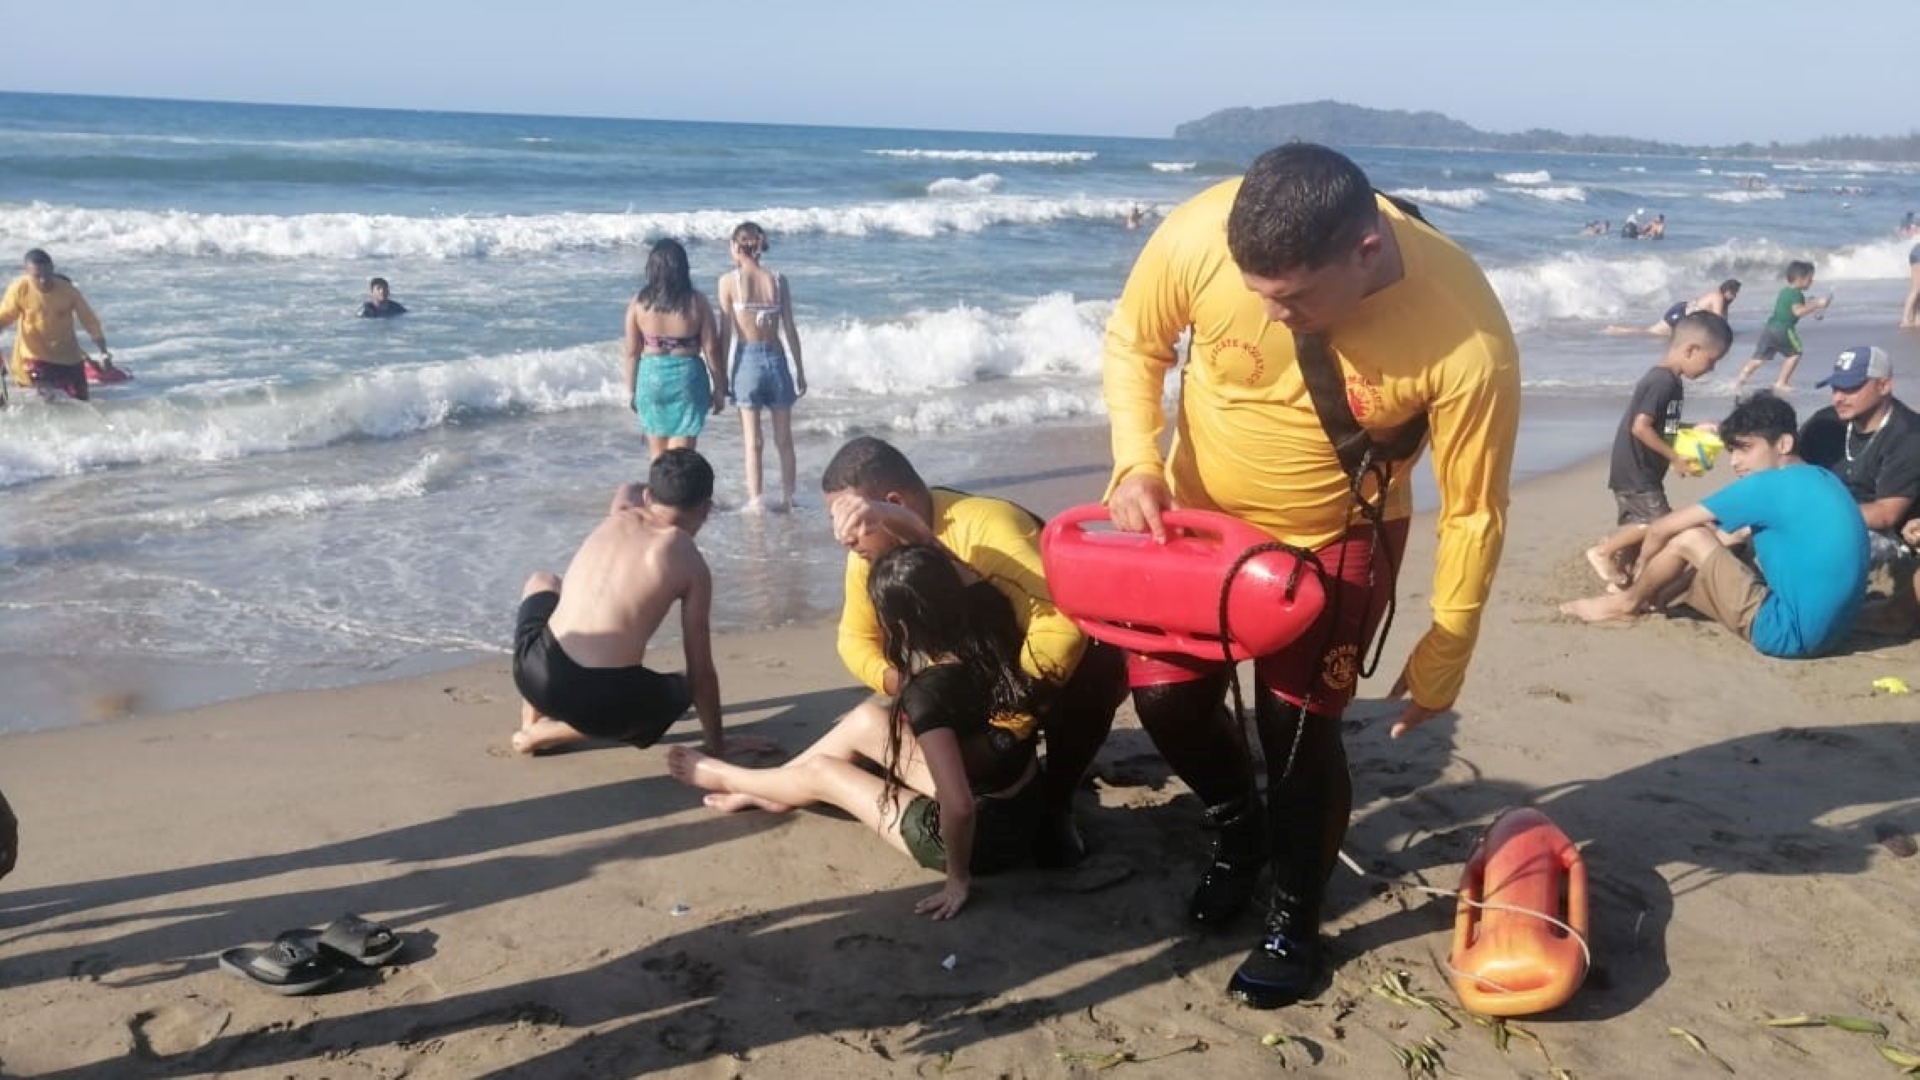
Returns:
(620, 586)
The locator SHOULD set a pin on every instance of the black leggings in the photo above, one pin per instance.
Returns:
(1307, 806)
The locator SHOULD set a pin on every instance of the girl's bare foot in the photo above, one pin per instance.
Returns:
(695, 769)
(1608, 570)
(733, 802)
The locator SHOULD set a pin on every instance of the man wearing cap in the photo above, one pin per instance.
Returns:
(1871, 440)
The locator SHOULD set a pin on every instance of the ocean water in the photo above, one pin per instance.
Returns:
(286, 496)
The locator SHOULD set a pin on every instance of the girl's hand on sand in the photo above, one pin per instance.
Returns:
(944, 904)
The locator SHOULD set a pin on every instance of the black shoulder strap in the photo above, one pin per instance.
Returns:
(1356, 448)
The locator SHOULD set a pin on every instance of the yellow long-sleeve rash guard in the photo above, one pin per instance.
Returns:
(1001, 542)
(46, 321)
(1248, 442)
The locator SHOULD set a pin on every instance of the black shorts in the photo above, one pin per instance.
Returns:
(69, 379)
(631, 704)
(1641, 507)
(1675, 313)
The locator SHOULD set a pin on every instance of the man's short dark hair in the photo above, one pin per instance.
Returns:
(1731, 285)
(681, 478)
(1759, 416)
(1300, 206)
(379, 283)
(1704, 328)
(37, 257)
(872, 467)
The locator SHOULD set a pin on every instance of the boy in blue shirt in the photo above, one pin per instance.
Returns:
(1806, 533)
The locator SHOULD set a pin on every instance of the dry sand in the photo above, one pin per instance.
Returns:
(583, 915)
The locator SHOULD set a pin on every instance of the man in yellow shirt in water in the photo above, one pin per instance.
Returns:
(1302, 268)
(46, 351)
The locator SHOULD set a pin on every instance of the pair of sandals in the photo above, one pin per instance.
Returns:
(303, 961)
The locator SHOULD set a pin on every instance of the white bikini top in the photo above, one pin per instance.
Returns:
(764, 314)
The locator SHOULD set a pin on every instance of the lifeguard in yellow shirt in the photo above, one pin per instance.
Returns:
(1302, 259)
(46, 351)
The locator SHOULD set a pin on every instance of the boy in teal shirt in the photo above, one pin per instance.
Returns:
(1780, 335)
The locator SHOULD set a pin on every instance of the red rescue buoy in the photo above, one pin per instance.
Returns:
(1507, 960)
(105, 376)
(1127, 590)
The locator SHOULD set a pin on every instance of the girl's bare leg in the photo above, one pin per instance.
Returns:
(783, 443)
(750, 438)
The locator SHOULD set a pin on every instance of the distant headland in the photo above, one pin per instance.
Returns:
(1356, 125)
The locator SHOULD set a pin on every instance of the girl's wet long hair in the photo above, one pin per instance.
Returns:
(921, 602)
(669, 284)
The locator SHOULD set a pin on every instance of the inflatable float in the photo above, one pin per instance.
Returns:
(1507, 959)
(104, 376)
(1124, 589)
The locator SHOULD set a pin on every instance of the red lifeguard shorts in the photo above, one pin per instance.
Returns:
(1320, 668)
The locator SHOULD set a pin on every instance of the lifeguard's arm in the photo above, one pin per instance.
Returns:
(631, 353)
(792, 332)
(954, 793)
(859, 640)
(1004, 548)
(12, 305)
(89, 321)
(1139, 350)
(696, 635)
(1474, 418)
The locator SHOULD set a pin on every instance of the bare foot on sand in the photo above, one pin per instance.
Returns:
(1608, 570)
(734, 802)
(695, 769)
(1613, 607)
(539, 733)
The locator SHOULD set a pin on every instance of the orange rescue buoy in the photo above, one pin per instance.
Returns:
(1124, 589)
(1507, 961)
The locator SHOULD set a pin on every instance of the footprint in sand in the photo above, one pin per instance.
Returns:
(466, 695)
(171, 1030)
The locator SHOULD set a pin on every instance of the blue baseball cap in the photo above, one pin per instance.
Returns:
(1855, 366)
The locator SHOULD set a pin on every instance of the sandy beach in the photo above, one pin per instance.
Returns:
(1742, 818)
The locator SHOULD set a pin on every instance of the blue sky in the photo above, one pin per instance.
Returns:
(1688, 72)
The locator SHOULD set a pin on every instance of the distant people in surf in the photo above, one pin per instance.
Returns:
(45, 306)
(1716, 300)
(757, 306)
(1135, 216)
(1631, 229)
(380, 302)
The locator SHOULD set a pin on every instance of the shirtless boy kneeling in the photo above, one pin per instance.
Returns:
(578, 652)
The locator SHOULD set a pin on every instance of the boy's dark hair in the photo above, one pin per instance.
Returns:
(1300, 206)
(1705, 328)
(37, 257)
(1731, 285)
(1799, 268)
(1760, 416)
(872, 467)
(681, 478)
(379, 283)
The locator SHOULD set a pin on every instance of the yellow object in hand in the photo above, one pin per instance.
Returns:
(1702, 446)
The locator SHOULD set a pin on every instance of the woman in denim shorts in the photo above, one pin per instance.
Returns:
(758, 306)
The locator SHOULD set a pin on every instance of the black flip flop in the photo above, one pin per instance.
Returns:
(288, 966)
(351, 939)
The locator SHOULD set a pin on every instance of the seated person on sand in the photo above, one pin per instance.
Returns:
(878, 502)
(580, 642)
(1716, 300)
(1806, 536)
(379, 304)
(958, 783)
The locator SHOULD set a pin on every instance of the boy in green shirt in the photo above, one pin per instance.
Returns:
(1779, 336)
